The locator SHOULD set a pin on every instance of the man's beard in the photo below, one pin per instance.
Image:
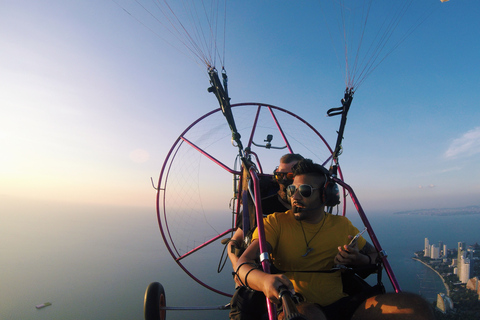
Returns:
(297, 216)
(303, 212)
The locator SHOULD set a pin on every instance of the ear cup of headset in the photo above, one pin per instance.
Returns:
(331, 194)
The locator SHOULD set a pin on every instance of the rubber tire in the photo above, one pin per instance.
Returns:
(154, 299)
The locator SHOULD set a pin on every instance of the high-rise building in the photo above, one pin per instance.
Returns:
(470, 252)
(474, 285)
(460, 256)
(464, 270)
(434, 252)
(444, 303)
(454, 263)
(461, 248)
(444, 251)
(426, 250)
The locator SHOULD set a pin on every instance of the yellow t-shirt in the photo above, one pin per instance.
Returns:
(287, 239)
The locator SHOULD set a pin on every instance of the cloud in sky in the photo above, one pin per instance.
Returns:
(467, 145)
(430, 186)
(139, 156)
(456, 168)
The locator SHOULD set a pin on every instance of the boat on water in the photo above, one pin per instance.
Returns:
(43, 305)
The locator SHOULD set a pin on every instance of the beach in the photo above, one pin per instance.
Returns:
(441, 277)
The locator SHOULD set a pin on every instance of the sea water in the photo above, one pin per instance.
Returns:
(96, 262)
(401, 235)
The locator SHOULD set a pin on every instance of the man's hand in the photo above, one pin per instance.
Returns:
(272, 283)
(350, 255)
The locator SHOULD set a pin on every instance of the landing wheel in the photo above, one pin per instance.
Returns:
(153, 301)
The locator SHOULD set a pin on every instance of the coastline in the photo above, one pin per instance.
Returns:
(443, 280)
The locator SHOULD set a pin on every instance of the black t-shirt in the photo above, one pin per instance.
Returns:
(270, 205)
(270, 200)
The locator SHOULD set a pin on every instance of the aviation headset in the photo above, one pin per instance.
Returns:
(330, 191)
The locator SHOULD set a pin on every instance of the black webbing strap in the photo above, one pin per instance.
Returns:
(221, 93)
(343, 110)
(370, 268)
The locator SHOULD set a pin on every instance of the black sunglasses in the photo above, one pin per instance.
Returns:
(305, 190)
(279, 176)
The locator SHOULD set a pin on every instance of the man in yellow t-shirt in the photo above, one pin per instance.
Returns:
(304, 241)
(277, 202)
(290, 251)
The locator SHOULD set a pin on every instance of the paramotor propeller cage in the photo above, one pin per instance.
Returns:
(191, 227)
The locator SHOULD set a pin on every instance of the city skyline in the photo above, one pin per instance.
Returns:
(459, 274)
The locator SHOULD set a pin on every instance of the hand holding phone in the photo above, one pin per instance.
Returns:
(355, 239)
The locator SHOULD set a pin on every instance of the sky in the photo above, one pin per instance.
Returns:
(92, 100)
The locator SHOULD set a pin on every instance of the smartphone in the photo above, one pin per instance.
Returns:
(354, 240)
